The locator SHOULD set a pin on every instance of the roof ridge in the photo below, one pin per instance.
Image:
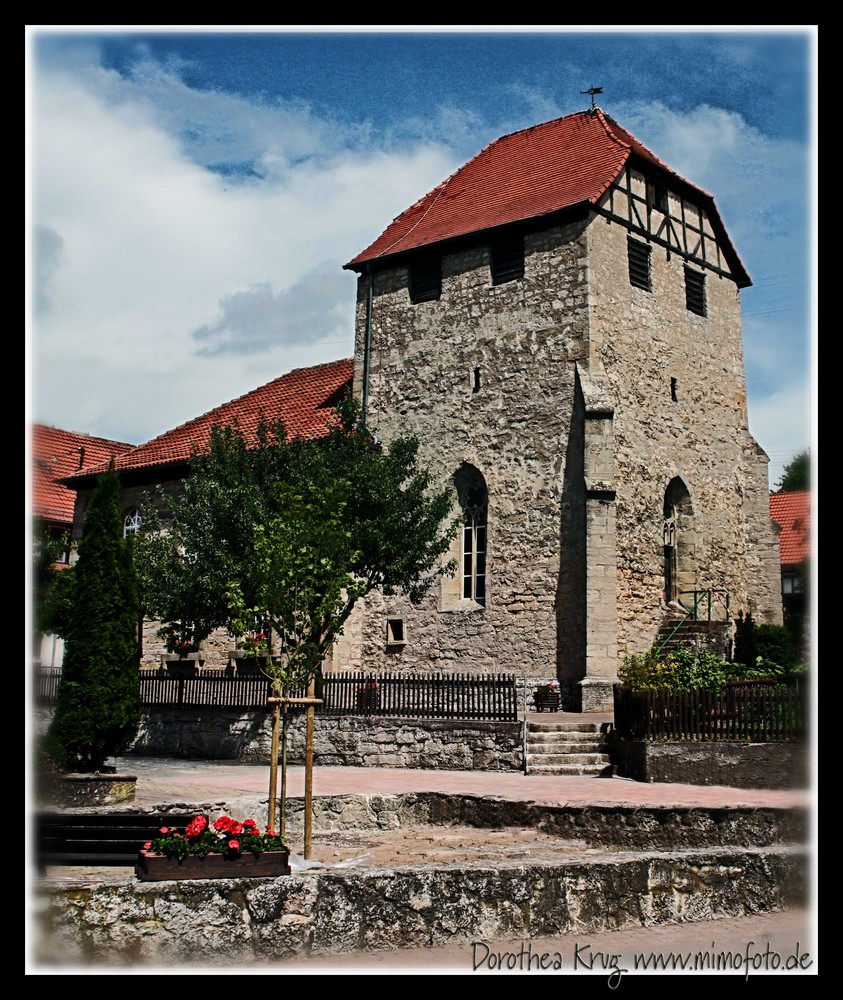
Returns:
(36, 425)
(306, 390)
(236, 399)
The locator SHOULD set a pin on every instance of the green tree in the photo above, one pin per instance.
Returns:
(50, 587)
(194, 544)
(796, 475)
(97, 711)
(208, 539)
(299, 531)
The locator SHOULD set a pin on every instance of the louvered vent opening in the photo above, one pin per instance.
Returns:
(639, 264)
(695, 291)
(426, 281)
(507, 261)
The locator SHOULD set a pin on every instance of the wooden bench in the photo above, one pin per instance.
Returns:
(110, 839)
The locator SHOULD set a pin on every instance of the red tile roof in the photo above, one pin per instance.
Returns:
(525, 175)
(792, 512)
(302, 399)
(57, 454)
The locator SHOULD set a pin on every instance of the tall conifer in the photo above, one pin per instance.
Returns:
(97, 712)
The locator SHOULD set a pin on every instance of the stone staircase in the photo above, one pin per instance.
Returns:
(566, 748)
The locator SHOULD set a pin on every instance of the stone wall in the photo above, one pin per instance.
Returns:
(679, 390)
(512, 424)
(354, 741)
(226, 921)
(739, 765)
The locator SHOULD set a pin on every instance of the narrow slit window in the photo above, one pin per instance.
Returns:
(674, 390)
(638, 254)
(476, 386)
(426, 281)
(695, 291)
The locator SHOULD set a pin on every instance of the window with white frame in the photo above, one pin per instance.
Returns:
(473, 497)
(131, 522)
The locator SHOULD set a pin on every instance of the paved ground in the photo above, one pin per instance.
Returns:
(162, 780)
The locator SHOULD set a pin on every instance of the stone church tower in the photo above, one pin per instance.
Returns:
(559, 323)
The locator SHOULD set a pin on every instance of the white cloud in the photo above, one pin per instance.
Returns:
(157, 247)
(780, 422)
(314, 309)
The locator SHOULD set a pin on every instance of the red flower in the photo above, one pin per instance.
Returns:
(234, 828)
(164, 829)
(271, 833)
(148, 845)
(250, 825)
(195, 828)
(234, 845)
(222, 823)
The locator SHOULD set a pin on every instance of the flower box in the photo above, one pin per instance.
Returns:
(368, 700)
(159, 868)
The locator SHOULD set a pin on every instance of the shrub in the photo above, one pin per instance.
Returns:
(681, 669)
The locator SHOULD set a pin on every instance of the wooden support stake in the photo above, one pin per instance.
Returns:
(308, 771)
(273, 767)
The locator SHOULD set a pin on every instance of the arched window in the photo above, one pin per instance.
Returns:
(679, 538)
(131, 522)
(474, 500)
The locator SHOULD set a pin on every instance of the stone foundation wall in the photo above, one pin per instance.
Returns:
(223, 921)
(354, 741)
(738, 765)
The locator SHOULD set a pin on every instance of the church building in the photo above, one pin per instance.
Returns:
(559, 323)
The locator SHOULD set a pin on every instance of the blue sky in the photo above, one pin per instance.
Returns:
(194, 195)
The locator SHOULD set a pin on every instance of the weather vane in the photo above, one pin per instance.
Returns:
(592, 91)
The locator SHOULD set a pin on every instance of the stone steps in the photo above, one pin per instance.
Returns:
(574, 748)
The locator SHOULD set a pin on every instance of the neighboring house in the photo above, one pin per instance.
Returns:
(559, 324)
(57, 454)
(792, 513)
(303, 400)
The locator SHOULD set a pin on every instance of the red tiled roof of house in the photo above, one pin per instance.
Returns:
(792, 512)
(525, 175)
(57, 454)
(302, 400)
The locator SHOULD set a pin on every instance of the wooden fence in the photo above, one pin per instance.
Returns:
(417, 696)
(744, 712)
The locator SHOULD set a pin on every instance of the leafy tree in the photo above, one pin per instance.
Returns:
(796, 475)
(98, 705)
(216, 533)
(203, 538)
(51, 588)
(299, 531)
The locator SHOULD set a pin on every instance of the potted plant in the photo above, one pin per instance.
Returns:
(251, 654)
(368, 697)
(546, 696)
(227, 848)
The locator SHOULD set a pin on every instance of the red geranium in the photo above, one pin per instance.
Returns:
(227, 836)
(196, 826)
